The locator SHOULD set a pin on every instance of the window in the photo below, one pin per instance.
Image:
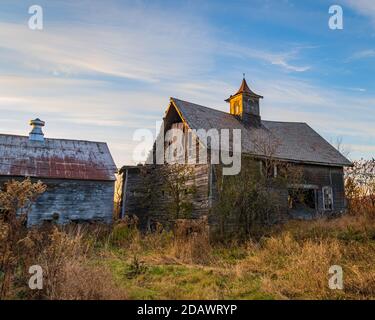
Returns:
(275, 171)
(191, 146)
(236, 108)
(327, 198)
(302, 200)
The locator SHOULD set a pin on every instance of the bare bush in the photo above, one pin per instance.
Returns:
(178, 182)
(125, 232)
(191, 240)
(15, 204)
(360, 187)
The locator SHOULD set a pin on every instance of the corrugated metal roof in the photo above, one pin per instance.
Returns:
(295, 141)
(55, 158)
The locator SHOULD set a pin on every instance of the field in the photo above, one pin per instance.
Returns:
(291, 262)
(93, 261)
(286, 262)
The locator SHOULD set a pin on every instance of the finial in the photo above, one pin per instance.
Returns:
(243, 76)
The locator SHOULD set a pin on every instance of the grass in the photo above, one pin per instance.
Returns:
(291, 262)
(180, 281)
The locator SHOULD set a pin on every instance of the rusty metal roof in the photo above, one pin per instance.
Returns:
(55, 158)
(295, 141)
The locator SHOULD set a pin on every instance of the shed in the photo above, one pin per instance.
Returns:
(80, 175)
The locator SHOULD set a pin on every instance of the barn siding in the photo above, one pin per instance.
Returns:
(316, 175)
(73, 200)
(136, 204)
(322, 176)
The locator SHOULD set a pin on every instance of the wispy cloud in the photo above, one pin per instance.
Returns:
(364, 7)
(358, 89)
(364, 54)
(100, 74)
(281, 59)
(141, 47)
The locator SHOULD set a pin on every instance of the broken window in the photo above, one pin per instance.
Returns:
(301, 199)
(327, 198)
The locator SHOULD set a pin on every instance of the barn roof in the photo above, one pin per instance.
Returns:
(55, 158)
(294, 141)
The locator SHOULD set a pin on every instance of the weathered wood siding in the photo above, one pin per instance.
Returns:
(322, 176)
(155, 208)
(73, 200)
(207, 194)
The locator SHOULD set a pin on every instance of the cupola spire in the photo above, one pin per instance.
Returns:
(245, 104)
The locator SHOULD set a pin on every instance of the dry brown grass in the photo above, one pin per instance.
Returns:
(291, 269)
(65, 255)
(294, 262)
(291, 262)
(78, 280)
(288, 261)
(68, 272)
(191, 242)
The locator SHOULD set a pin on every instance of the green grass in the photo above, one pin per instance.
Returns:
(280, 266)
(183, 282)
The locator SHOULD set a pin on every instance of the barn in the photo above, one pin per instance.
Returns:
(79, 175)
(322, 166)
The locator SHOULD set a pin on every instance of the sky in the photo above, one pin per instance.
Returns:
(99, 70)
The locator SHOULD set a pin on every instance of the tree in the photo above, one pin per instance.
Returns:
(360, 186)
(253, 196)
(179, 184)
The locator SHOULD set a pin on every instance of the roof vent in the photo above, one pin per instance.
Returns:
(36, 133)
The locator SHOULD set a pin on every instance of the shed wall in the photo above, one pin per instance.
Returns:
(73, 200)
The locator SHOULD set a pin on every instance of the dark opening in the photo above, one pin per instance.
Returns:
(302, 200)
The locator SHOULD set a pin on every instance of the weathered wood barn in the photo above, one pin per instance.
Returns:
(296, 142)
(79, 175)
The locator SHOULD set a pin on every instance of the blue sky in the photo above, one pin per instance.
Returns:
(101, 69)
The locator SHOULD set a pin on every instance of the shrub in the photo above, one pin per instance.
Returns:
(125, 231)
(191, 240)
(64, 255)
(15, 203)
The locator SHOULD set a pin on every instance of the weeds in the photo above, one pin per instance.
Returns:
(289, 261)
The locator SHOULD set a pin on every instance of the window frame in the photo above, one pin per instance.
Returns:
(329, 194)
